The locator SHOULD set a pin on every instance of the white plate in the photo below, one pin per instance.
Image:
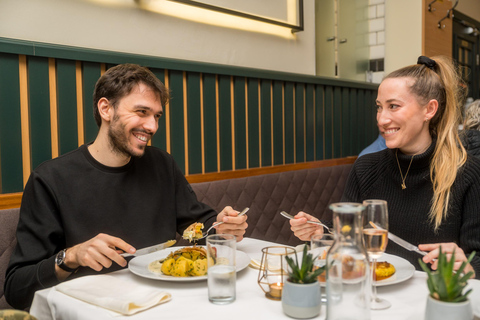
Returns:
(404, 270)
(139, 265)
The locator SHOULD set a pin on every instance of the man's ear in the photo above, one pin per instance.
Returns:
(105, 109)
(431, 109)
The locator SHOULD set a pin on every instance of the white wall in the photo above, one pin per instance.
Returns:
(122, 26)
(403, 33)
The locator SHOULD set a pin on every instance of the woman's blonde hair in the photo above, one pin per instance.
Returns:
(442, 83)
(472, 116)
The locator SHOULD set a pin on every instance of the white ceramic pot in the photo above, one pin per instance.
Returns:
(448, 310)
(301, 301)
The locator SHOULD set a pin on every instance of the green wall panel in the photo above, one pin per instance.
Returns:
(337, 122)
(289, 124)
(194, 123)
(209, 122)
(329, 105)
(177, 134)
(253, 124)
(277, 122)
(353, 118)
(39, 103)
(299, 123)
(159, 140)
(225, 116)
(10, 125)
(91, 73)
(67, 106)
(346, 137)
(320, 122)
(266, 114)
(240, 123)
(310, 122)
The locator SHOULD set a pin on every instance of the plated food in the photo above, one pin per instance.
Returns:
(352, 269)
(184, 262)
(193, 232)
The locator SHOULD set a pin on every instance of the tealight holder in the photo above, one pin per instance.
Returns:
(274, 270)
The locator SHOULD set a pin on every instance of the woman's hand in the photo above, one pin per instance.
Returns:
(303, 230)
(433, 251)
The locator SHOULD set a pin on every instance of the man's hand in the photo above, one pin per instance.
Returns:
(448, 248)
(303, 230)
(97, 253)
(232, 224)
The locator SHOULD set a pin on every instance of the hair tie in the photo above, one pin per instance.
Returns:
(427, 62)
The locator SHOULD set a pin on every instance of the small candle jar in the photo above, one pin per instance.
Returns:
(276, 290)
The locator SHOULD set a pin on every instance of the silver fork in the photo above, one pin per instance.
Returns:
(204, 234)
(289, 216)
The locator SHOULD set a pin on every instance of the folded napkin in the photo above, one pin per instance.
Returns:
(114, 294)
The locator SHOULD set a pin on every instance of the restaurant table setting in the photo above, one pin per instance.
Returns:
(189, 299)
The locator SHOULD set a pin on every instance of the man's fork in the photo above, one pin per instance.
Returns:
(219, 223)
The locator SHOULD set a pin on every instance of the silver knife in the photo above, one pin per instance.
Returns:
(405, 244)
(151, 249)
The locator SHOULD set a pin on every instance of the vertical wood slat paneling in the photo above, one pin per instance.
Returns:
(39, 110)
(239, 119)
(289, 122)
(177, 132)
(25, 118)
(215, 122)
(52, 85)
(210, 122)
(11, 167)
(253, 123)
(67, 102)
(79, 90)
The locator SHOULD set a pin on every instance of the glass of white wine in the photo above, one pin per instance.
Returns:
(375, 235)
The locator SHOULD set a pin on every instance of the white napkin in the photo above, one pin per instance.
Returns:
(114, 294)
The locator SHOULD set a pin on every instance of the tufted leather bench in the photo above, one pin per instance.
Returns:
(310, 190)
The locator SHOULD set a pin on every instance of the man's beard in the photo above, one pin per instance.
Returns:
(119, 141)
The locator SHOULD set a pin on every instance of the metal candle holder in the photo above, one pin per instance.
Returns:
(274, 270)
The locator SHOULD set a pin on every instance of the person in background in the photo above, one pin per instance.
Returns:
(471, 129)
(377, 145)
(80, 211)
(431, 185)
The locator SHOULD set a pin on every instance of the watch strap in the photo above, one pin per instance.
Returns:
(62, 264)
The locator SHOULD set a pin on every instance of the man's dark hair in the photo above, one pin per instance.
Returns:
(119, 81)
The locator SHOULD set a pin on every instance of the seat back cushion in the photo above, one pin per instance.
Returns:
(309, 190)
(8, 227)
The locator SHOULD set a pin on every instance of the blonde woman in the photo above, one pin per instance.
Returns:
(471, 129)
(432, 187)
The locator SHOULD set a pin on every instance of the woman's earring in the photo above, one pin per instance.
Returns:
(426, 119)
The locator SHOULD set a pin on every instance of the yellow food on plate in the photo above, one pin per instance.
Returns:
(193, 232)
(383, 270)
(185, 262)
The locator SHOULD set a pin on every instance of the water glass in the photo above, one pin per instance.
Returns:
(221, 268)
(319, 246)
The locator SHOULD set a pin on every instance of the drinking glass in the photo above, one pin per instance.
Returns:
(375, 235)
(221, 268)
(319, 246)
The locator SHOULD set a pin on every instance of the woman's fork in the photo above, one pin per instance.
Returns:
(219, 223)
(289, 216)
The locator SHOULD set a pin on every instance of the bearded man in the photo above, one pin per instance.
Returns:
(80, 211)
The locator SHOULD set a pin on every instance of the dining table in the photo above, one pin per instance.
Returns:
(189, 299)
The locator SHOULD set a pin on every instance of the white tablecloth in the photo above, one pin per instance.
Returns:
(190, 300)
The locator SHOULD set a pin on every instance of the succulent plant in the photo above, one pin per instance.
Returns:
(306, 272)
(446, 284)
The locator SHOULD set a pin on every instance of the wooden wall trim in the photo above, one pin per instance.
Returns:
(13, 200)
(206, 177)
(10, 200)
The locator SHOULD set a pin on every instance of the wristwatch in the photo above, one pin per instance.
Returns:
(60, 261)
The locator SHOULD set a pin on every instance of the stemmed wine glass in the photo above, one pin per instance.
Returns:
(375, 233)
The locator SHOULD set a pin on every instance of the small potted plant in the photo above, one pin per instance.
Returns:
(301, 292)
(447, 299)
